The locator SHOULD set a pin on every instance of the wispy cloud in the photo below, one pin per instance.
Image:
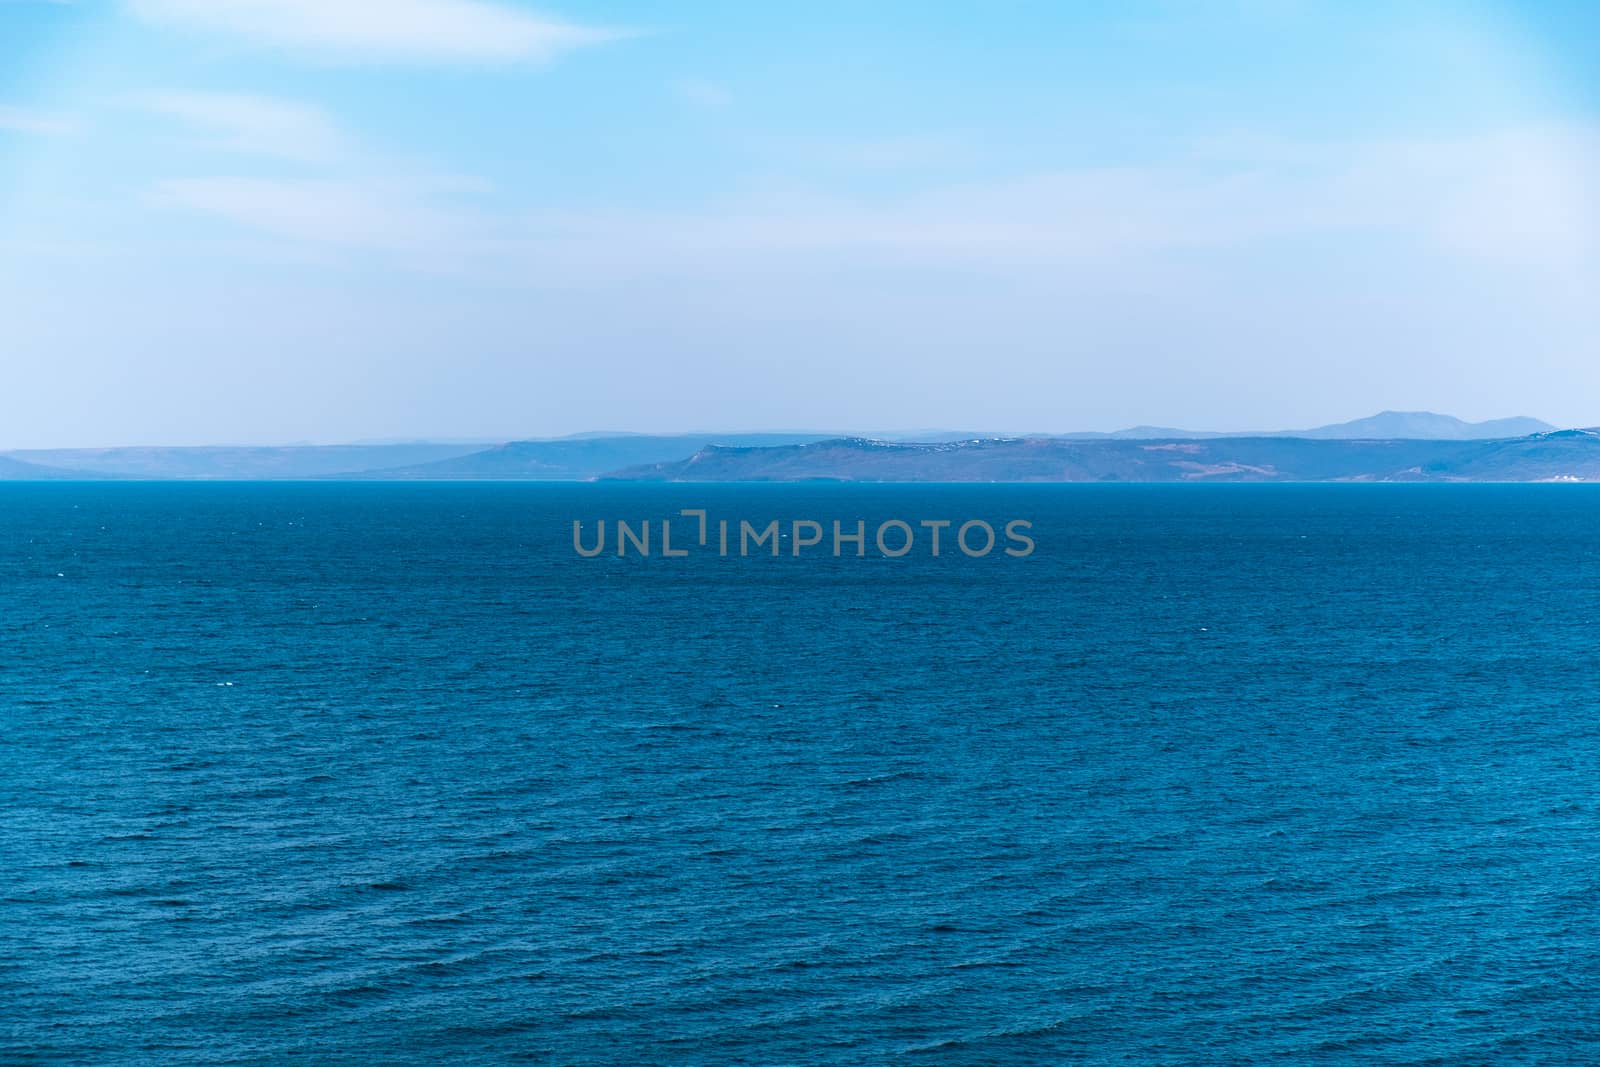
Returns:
(405, 217)
(701, 93)
(1519, 199)
(254, 125)
(27, 120)
(428, 31)
(903, 153)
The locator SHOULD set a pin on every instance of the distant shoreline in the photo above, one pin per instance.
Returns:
(1545, 456)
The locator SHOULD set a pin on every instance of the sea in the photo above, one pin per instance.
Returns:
(343, 773)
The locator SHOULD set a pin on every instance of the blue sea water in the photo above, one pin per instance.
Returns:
(340, 774)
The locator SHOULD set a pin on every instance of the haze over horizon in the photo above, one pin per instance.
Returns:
(262, 221)
(1393, 425)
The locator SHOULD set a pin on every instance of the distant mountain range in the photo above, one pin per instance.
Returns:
(580, 458)
(1388, 446)
(14, 470)
(1565, 455)
(1384, 426)
(225, 462)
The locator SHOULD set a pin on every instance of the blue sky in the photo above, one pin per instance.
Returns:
(328, 220)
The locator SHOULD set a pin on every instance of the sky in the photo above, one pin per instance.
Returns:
(274, 221)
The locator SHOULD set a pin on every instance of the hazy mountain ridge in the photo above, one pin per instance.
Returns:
(585, 456)
(582, 457)
(1386, 426)
(578, 458)
(227, 462)
(16, 470)
(1424, 426)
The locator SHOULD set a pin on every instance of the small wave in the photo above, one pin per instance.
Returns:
(880, 779)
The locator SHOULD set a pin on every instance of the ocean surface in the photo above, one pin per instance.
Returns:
(344, 773)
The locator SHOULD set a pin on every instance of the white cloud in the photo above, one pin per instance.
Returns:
(27, 120)
(398, 30)
(254, 125)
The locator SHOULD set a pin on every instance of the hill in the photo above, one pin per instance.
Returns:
(1384, 426)
(16, 470)
(969, 456)
(1571, 455)
(577, 458)
(1424, 425)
